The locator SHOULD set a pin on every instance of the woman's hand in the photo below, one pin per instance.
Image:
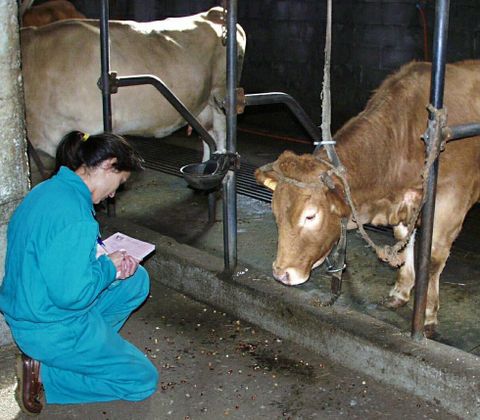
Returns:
(125, 264)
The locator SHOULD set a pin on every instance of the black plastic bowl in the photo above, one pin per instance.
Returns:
(206, 175)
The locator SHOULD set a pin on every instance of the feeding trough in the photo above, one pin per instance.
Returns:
(208, 175)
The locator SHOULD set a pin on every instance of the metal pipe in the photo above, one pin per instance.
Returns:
(300, 114)
(458, 132)
(146, 79)
(229, 182)
(425, 241)
(105, 83)
(293, 105)
(105, 67)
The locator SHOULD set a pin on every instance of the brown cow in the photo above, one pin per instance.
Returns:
(49, 12)
(383, 155)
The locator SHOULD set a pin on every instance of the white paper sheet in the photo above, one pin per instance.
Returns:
(121, 242)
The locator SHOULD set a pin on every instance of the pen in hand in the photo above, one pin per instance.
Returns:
(102, 244)
(125, 264)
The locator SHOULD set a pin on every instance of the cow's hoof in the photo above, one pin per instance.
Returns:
(393, 302)
(429, 331)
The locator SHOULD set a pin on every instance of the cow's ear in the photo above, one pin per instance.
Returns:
(267, 178)
(336, 195)
(338, 204)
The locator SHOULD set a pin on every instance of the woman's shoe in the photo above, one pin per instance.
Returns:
(29, 392)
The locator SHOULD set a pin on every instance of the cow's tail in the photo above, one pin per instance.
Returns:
(242, 43)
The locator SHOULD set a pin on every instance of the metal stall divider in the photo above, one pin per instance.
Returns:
(436, 135)
(206, 175)
(104, 83)
(230, 181)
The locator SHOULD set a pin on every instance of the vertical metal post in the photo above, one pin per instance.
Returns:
(229, 182)
(425, 241)
(105, 82)
(105, 67)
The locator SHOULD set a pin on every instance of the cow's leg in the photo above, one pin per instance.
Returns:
(219, 123)
(451, 208)
(205, 118)
(213, 120)
(447, 226)
(441, 245)
(400, 293)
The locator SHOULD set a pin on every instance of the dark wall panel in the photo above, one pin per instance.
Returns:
(285, 44)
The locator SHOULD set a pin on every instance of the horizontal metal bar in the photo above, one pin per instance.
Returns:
(293, 105)
(458, 132)
(302, 117)
(146, 79)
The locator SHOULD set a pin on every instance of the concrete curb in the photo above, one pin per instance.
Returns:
(430, 370)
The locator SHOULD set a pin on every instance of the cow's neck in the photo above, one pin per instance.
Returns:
(381, 168)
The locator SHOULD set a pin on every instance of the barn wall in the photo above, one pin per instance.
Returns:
(13, 162)
(285, 42)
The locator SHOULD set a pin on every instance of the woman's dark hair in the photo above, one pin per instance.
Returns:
(77, 149)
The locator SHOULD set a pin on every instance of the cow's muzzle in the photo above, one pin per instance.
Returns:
(289, 276)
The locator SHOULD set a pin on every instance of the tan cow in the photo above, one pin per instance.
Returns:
(383, 155)
(48, 12)
(61, 66)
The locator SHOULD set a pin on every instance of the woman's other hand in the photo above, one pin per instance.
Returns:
(125, 264)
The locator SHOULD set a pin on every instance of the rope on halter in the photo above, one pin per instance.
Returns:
(392, 253)
(327, 141)
(326, 95)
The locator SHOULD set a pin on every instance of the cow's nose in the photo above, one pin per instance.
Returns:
(289, 276)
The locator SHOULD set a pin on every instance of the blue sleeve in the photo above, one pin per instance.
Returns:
(73, 275)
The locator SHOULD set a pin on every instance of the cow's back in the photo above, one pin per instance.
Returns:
(49, 12)
(382, 145)
(460, 163)
(59, 74)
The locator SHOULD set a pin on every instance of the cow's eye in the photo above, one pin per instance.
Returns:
(310, 218)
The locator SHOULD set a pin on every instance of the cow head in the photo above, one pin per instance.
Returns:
(307, 212)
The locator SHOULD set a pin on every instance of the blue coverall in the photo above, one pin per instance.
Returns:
(64, 306)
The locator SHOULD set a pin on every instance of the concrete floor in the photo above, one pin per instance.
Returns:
(213, 366)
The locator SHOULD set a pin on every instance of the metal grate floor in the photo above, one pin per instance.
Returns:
(168, 158)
